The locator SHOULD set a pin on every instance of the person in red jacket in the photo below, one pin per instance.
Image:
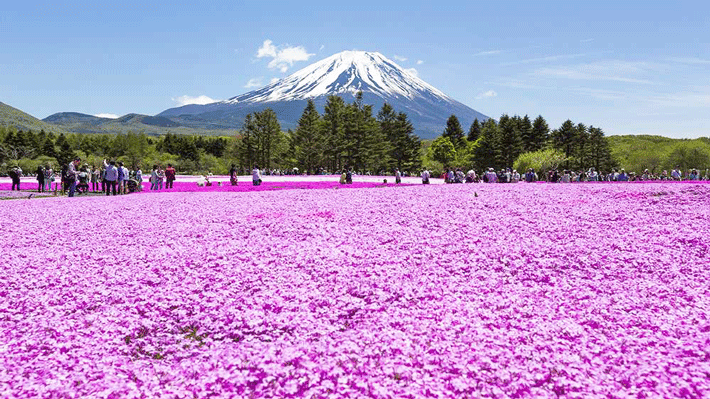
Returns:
(169, 176)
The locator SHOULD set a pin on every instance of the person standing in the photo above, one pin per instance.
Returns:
(256, 176)
(397, 176)
(15, 174)
(71, 176)
(95, 176)
(169, 176)
(161, 177)
(233, 179)
(110, 177)
(139, 178)
(40, 178)
(48, 178)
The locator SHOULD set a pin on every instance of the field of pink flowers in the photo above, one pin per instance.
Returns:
(539, 290)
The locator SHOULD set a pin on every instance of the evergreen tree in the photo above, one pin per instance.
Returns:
(307, 139)
(475, 131)
(581, 151)
(48, 148)
(509, 143)
(454, 132)
(526, 134)
(485, 154)
(66, 154)
(406, 147)
(334, 133)
(539, 136)
(599, 151)
(565, 139)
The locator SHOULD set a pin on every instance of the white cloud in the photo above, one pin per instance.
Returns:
(488, 94)
(322, 46)
(412, 71)
(109, 116)
(615, 71)
(254, 82)
(689, 60)
(586, 41)
(200, 100)
(399, 58)
(274, 80)
(282, 57)
(419, 62)
(490, 52)
(544, 59)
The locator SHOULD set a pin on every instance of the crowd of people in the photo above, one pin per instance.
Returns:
(114, 178)
(509, 175)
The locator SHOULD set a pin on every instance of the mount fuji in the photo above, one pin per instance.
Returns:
(343, 74)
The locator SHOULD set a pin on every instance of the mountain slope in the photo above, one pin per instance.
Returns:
(343, 74)
(13, 117)
(153, 125)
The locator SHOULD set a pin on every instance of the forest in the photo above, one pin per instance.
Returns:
(352, 135)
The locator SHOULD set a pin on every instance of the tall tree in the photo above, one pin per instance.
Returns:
(442, 150)
(307, 139)
(509, 143)
(565, 139)
(474, 132)
(334, 132)
(599, 151)
(526, 134)
(485, 154)
(539, 136)
(581, 151)
(406, 147)
(454, 132)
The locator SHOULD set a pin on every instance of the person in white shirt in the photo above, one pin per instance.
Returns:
(425, 176)
(256, 176)
(515, 176)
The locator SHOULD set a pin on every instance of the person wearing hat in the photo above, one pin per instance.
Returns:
(622, 176)
(15, 173)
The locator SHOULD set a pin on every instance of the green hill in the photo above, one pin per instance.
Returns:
(636, 153)
(13, 117)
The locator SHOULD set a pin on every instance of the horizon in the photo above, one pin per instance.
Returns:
(633, 68)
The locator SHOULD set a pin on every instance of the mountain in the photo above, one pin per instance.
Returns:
(13, 117)
(153, 125)
(343, 74)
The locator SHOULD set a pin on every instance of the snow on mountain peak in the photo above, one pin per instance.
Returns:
(345, 72)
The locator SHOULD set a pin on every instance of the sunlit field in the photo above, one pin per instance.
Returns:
(476, 290)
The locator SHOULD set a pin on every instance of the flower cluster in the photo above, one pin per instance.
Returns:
(422, 291)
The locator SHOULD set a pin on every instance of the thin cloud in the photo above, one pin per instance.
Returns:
(490, 52)
(199, 100)
(487, 94)
(274, 80)
(282, 57)
(689, 60)
(108, 116)
(413, 72)
(616, 71)
(322, 46)
(586, 41)
(254, 82)
(543, 59)
(399, 58)
(419, 62)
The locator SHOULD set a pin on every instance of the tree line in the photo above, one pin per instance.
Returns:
(521, 143)
(345, 136)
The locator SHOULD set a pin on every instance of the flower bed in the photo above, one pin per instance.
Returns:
(584, 290)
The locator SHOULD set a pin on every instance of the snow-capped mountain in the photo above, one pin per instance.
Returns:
(343, 74)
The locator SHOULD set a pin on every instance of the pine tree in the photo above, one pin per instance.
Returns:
(334, 132)
(66, 154)
(539, 136)
(526, 134)
(485, 154)
(581, 151)
(307, 139)
(475, 131)
(565, 139)
(599, 150)
(509, 143)
(407, 146)
(454, 132)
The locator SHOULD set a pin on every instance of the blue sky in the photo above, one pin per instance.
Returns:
(630, 67)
